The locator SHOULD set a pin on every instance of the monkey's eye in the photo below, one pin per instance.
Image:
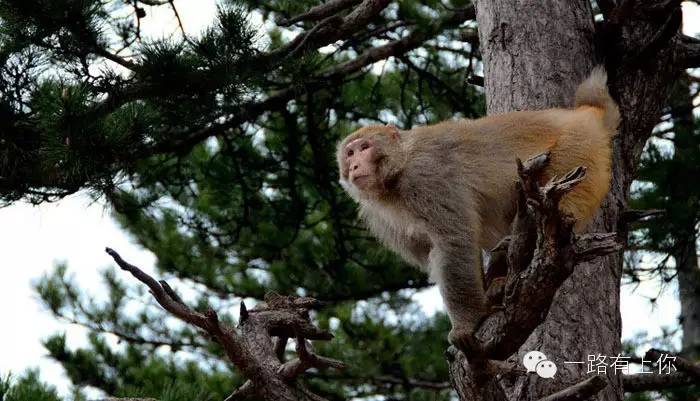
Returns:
(364, 146)
(350, 153)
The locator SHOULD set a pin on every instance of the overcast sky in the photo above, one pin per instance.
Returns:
(76, 230)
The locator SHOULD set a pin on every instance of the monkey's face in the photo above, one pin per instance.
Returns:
(363, 157)
(361, 160)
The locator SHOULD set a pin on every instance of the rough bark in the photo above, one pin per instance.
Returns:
(535, 53)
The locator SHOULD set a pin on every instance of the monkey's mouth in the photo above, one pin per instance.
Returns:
(360, 181)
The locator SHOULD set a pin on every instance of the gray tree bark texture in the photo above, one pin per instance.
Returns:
(535, 53)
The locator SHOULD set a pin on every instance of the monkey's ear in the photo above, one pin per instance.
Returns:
(393, 132)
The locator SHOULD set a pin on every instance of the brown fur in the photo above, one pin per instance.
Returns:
(443, 192)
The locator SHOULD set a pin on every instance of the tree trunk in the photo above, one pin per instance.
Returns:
(682, 215)
(689, 297)
(535, 53)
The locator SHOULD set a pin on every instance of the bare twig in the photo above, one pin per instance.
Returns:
(179, 20)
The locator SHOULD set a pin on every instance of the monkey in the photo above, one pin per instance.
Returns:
(439, 194)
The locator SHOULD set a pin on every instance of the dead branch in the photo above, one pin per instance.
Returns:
(652, 381)
(252, 348)
(630, 216)
(542, 252)
(682, 364)
(579, 391)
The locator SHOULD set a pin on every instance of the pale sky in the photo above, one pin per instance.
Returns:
(76, 230)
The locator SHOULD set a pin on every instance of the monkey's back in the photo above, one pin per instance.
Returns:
(575, 137)
(488, 147)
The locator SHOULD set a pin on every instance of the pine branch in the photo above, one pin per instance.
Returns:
(319, 12)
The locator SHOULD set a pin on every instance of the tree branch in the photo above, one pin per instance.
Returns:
(319, 12)
(320, 36)
(692, 369)
(252, 350)
(183, 142)
(579, 391)
(652, 381)
(688, 49)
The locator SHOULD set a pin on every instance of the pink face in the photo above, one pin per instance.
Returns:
(360, 159)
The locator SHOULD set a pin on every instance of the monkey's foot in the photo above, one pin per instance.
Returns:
(464, 340)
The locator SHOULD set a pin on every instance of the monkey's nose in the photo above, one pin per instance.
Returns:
(355, 167)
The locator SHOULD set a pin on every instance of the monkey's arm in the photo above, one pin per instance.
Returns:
(455, 265)
(455, 258)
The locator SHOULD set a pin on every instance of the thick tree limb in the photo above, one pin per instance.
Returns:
(533, 280)
(251, 347)
(687, 373)
(319, 12)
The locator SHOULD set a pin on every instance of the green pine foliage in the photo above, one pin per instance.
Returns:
(669, 163)
(27, 387)
(234, 201)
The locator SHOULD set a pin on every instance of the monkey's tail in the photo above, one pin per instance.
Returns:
(594, 92)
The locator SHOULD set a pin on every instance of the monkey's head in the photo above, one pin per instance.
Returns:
(363, 160)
